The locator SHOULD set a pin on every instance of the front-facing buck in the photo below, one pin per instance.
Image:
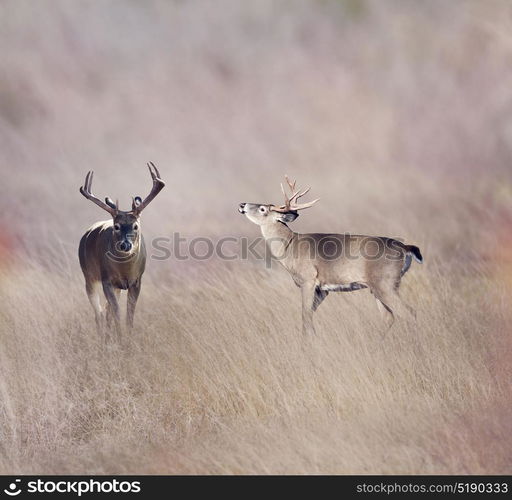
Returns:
(323, 263)
(112, 253)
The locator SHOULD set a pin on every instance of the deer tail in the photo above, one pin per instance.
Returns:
(415, 252)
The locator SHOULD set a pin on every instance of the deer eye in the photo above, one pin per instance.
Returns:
(117, 227)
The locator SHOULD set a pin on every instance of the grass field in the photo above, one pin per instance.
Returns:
(396, 113)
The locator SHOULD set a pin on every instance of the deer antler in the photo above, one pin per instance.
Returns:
(158, 185)
(86, 191)
(290, 203)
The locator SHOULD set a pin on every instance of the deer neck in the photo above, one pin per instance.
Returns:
(278, 237)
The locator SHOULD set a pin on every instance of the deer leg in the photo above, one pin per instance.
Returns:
(408, 311)
(110, 314)
(308, 300)
(391, 301)
(133, 295)
(385, 312)
(402, 309)
(113, 304)
(405, 310)
(94, 299)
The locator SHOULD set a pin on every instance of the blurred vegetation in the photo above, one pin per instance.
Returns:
(397, 113)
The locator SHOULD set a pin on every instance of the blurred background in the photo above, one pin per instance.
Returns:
(397, 113)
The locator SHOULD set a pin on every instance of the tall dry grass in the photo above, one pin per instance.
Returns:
(397, 113)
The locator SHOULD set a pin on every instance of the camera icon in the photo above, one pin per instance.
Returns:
(13, 489)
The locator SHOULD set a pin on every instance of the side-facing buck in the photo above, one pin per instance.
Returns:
(113, 255)
(323, 263)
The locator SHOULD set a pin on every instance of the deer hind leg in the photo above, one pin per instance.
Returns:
(385, 312)
(408, 311)
(93, 293)
(390, 304)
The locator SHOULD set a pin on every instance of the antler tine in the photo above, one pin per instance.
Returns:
(87, 184)
(301, 206)
(299, 194)
(286, 199)
(158, 185)
(89, 187)
(291, 184)
(306, 191)
(151, 170)
(290, 203)
(151, 164)
(86, 191)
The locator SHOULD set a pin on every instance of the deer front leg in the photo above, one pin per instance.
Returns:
(113, 304)
(93, 293)
(308, 290)
(110, 315)
(133, 295)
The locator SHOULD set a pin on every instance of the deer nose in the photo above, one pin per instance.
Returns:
(125, 246)
(241, 208)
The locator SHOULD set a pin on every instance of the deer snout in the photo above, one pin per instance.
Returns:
(241, 208)
(125, 246)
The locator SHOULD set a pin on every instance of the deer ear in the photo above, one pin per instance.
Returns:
(288, 216)
(136, 202)
(110, 203)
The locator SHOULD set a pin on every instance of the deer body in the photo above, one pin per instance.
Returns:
(105, 271)
(94, 250)
(112, 254)
(322, 263)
